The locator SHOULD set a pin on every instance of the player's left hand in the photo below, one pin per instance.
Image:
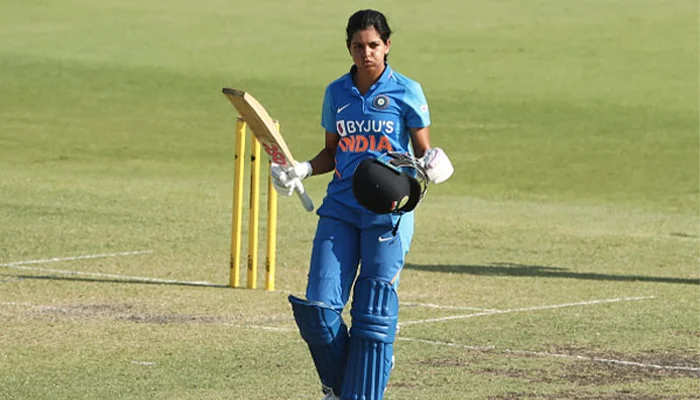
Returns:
(437, 165)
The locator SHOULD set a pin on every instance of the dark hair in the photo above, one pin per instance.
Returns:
(365, 19)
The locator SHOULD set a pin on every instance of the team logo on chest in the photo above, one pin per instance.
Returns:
(380, 102)
(341, 127)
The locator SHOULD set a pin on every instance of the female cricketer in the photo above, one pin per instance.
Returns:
(369, 112)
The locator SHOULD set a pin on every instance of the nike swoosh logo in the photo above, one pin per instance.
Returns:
(385, 239)
(340, 109)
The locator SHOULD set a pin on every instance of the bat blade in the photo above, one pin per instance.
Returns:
(265, 131)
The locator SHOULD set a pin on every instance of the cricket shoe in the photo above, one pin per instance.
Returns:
(329, 394)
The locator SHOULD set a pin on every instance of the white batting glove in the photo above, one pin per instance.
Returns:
(437, 165)
(286, 180)
(301, 170)
(283, 184)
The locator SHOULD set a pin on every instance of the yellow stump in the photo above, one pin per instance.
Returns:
(271, 259)
(254, 214)
(237, 214)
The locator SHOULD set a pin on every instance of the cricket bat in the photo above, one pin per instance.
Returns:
(265, 130)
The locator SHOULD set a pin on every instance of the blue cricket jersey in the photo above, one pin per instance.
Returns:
(368, 126)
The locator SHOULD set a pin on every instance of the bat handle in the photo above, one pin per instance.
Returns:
(304, 197)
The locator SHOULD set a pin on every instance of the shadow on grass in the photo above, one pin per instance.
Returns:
(113, 280)
(512, 269)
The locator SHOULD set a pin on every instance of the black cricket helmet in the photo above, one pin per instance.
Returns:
(392, 183)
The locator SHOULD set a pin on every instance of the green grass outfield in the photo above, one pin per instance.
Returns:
(560, 261)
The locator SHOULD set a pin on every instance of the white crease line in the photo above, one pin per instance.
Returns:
(603, 360)
(448, 344)
(19, 266)
(498, 312)
(428, 305)
(556, 355)
(7, 280)
(26, 304)
(52, 308)
(87, 257)
(508, 351)
(269, 328)
(121, 277)
(16, 303)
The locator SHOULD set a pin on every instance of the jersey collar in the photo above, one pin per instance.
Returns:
(386, 75)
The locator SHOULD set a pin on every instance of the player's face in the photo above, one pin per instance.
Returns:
(368, 50)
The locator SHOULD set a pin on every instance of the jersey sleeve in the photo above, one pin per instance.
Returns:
(327, 116)
(417, 113)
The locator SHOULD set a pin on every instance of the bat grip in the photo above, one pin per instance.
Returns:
(304, 197)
